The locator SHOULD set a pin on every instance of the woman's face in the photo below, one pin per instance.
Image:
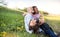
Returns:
(30, 9)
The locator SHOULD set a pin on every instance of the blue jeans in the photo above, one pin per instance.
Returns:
(45, 27)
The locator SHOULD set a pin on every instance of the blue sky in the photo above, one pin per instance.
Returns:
(51, 6)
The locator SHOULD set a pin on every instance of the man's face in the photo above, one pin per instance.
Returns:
(36, 9)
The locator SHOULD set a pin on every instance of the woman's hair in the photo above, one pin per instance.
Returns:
(29, 9)
(34, 8)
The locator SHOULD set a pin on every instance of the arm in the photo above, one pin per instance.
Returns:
(27, 20)
(41, 19)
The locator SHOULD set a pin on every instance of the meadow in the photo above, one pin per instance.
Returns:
(12, 24)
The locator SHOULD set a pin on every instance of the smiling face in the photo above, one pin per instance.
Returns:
(35, 9)
(30, 10)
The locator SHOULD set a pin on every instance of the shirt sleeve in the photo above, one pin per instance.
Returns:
(27, 20)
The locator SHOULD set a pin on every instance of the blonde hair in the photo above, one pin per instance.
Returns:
(29, 9)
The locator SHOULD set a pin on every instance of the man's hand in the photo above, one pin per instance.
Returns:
(32, 22)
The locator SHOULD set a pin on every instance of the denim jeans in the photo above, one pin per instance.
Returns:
(45, 27)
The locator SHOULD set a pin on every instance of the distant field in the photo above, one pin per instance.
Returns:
(54, 22)
(12, 24)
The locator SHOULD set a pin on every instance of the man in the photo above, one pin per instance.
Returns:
(30, 19)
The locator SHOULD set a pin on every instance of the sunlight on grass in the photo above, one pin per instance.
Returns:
(53, 17)
(11, 35)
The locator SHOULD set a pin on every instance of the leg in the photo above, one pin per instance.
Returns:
(47, 30)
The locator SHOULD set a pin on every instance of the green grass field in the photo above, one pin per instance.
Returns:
(12, 24)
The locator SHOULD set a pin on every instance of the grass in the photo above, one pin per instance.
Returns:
(12, 24)
(53, 21)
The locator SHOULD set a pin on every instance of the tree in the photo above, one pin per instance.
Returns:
(44, 12)
(3, 3)
(25, 9)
